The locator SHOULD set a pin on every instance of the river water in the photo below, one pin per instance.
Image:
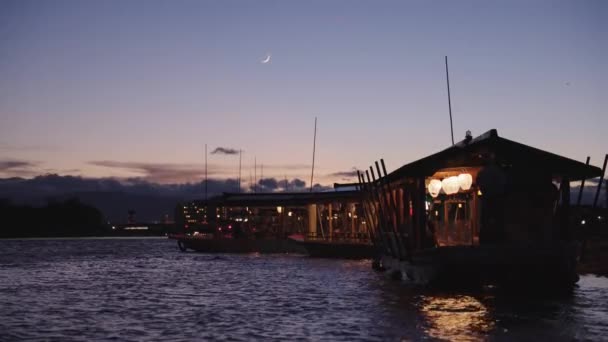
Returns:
(145, 289)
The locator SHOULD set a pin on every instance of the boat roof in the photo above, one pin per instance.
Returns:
(284, 198)
(489, 146)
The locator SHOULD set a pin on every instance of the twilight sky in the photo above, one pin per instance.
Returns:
(136, 88)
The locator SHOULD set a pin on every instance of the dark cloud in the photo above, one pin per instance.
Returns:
(225, 150)
(589, 192)
(345, 174)
(287, 166)
(318, 187)
(15, 164)
(274, 184)
(18, 168)
(164, 172)
(113, 196)
(268, 184)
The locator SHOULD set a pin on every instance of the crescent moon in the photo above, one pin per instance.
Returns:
(265, 60)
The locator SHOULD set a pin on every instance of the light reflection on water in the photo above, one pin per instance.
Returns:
(456, 318)
(143, 289)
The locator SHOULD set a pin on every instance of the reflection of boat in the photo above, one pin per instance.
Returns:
(484, 211)
(344, 248)
(207, 243)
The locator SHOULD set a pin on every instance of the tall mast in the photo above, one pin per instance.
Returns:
(240, 155)
(206, 172)
(255, 174)
(314, 145)
(447, 77)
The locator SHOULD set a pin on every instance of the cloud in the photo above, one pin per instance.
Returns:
(18, 168)
(164, 172)
(15, 164)
(345, 174)
(274, 184)
(225, 150)
(268, 184)
(113, 196)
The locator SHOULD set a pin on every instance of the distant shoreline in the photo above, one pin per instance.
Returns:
(114, 237)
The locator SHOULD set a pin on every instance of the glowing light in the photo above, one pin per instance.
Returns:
(583, 222)
(434, 187)
(479, 193)
(450, 185)
(459, 205)
(279, 210)
(289, 213)
(465, 181)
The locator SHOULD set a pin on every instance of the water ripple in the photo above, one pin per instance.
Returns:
(145, 289)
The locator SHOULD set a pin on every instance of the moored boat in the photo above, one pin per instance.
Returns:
(485, 211)
(206, 243)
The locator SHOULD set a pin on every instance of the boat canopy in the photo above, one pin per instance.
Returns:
(490, 148)
(285, 198)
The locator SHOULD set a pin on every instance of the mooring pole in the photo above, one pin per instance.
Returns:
(447, 77)
(599, 185)
(314, 144)
(580, 190)
(205, 173)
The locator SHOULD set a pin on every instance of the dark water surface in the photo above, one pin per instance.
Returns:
(145, 289)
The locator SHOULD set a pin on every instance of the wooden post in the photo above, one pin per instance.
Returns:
(580, 190)
(331, 220)
(385, 210)
(393, 211)
(312, 220)
(599, 185)
(352, 212)
(420, 210)
(366, 203)
(380, 223)
(565, 209)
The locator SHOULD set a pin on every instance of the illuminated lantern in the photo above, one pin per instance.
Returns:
(434, 187)
(465, 181)
(450, 185)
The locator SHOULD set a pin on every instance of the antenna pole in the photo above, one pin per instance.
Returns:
(255, 174)
(206, 172)
(447, 77)
(314, 144)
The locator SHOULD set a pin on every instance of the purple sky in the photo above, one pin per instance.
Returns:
(136, 88)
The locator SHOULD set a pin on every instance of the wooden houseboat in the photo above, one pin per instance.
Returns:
(322, 224)
(485, 211)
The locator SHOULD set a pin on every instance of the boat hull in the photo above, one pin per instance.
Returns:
(508, 266)
(239, 245)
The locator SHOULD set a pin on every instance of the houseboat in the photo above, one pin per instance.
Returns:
(485, 211)
(322, 224)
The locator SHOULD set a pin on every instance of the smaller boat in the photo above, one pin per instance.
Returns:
(211, 243)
